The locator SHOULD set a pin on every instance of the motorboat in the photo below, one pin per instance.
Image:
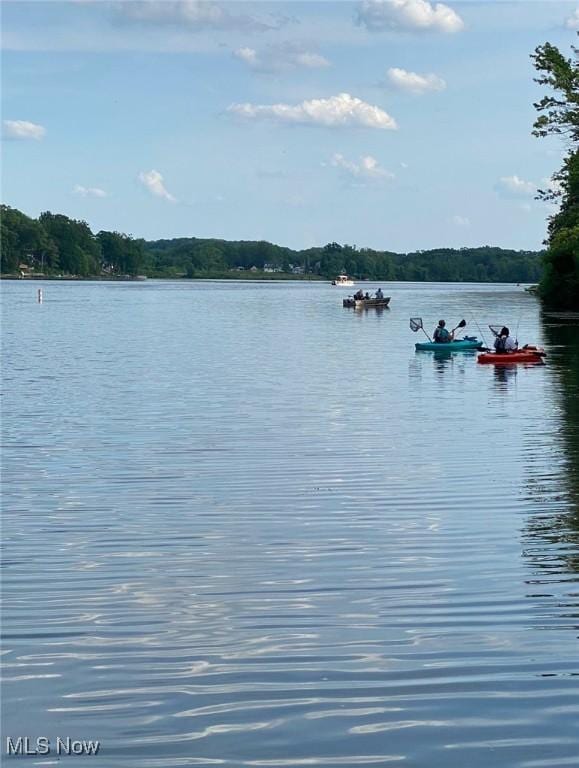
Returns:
(343, 280)
(366, 303)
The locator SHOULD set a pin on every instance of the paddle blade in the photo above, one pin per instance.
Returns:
(461, 324)
(416, 323)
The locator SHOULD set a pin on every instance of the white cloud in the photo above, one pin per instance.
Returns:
(247, 55)
(461, 221)
(513, 186)
(280, 57)
(336, 111)
(22, 129)
(367, 167)
(191, 14)
(153, 181)
(186, 12)
(408, 15)
(312, 60)
(413, 82)
(88, 191)
(573, 21)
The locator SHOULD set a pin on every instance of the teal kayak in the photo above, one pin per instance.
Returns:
(453, 346)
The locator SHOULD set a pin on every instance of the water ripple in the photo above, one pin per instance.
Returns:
(238, 534)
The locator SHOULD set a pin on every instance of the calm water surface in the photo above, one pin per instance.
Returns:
(244, 526)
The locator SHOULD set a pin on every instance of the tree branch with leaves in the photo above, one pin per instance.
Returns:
(559, 116)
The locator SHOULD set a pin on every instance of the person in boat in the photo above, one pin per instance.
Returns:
(359, 295)
(367, 296)
(505, 342)
(379, 294)
(441, 333)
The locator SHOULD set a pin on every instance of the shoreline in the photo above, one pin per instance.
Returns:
(144, 278)
(527, 287)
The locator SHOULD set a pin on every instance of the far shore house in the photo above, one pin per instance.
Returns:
(272, 268)
(25, 270)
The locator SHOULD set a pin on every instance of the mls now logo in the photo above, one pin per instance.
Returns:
(24, 745)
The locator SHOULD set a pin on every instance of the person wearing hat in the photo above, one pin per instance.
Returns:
(441, 335)
(505, 342)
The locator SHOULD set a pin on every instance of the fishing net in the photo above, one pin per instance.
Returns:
(416, 323)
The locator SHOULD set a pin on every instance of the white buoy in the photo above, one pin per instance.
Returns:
(40, 295)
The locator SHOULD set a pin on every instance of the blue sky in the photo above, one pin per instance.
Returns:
(393, 124)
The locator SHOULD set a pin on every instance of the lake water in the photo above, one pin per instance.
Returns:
(244, 526)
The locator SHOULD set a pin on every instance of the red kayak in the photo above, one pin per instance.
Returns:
(527, 354)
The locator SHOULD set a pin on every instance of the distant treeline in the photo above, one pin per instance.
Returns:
(53, 244)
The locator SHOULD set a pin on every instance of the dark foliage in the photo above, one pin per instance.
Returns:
(559, 115)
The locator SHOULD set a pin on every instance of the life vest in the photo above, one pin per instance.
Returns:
(441, 335)
(501, 344)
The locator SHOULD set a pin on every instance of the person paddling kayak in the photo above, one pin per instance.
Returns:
(441, 334)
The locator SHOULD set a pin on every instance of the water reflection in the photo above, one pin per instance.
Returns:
(365, 310)
(562, 335)
(552, 535)
(442, 362)
(503, 374)
(442, 356)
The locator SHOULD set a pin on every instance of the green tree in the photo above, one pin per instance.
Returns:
(120, 254)
(79, 251)
(559, 115)
(25, 241)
